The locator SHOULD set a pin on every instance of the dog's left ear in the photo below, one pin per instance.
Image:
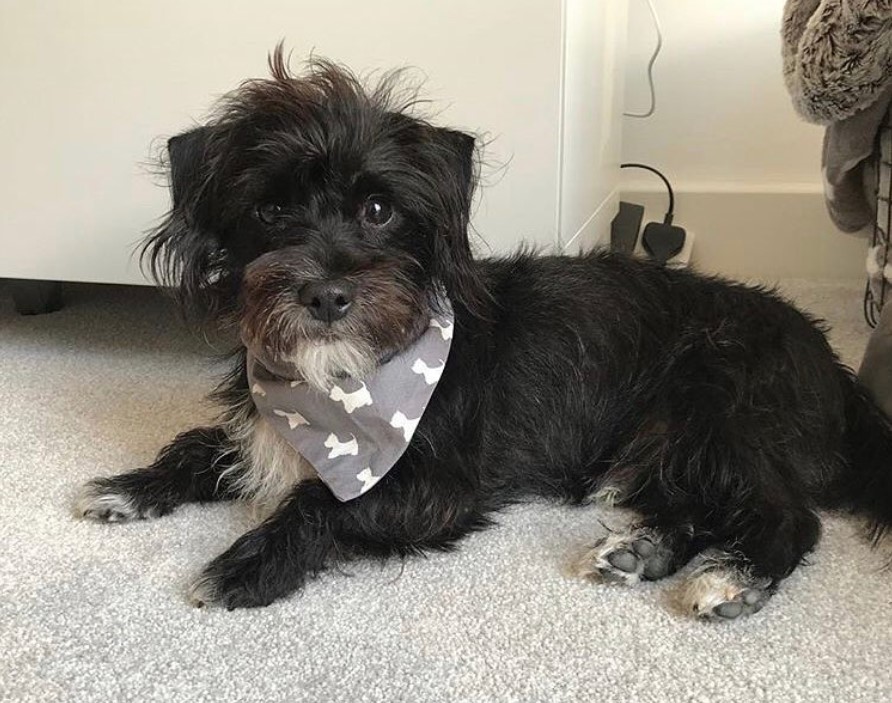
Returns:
(453, 260)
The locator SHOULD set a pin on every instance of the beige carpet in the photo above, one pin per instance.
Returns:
(97, 612)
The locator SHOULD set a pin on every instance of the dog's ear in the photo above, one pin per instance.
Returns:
(186, 156)
(453, 260)
(184, 253)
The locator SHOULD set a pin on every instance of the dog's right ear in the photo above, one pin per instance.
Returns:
(184, 253)
(187, 155)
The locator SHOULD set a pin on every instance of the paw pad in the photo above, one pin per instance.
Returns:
(719, 592)
(626, 558)
(746, 603)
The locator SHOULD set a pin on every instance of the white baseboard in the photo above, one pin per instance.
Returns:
(762, 235)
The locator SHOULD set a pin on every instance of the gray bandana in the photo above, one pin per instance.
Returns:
(356, 432)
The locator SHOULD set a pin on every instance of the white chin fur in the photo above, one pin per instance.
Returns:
(321, 363)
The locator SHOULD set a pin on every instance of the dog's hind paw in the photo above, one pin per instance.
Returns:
(626, 558)
(718, 590)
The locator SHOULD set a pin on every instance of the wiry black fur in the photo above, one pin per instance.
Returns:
(717, 411)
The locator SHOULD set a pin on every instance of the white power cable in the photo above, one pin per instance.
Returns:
(650, 65)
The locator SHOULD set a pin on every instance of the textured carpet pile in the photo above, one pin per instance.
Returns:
(98, 612)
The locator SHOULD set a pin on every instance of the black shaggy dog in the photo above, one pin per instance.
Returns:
(320, 216)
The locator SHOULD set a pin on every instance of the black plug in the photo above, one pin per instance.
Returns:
(663, 240)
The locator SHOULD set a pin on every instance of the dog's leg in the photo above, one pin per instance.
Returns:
(737, 576)
(312, 530)
(645, 551)
(187, 470)
(742, 431)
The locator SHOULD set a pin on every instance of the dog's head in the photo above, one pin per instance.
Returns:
(322, 215)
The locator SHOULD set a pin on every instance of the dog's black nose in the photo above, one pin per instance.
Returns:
(327, 300)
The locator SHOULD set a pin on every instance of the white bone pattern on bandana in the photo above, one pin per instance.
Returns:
(401, 422)
(354, 433)
(445, 329)
(294, 419)
(368, 480)
(431, 374)
(339, 448)
(351, 401)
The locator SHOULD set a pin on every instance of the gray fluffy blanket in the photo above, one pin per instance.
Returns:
(838, 69)
(837, 55)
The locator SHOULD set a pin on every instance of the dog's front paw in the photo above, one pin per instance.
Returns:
(106, 500)
(229, 585)
(250, 574)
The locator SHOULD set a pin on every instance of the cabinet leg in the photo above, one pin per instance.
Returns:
(36, 297)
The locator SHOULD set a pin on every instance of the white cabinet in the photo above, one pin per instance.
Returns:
(91, 88)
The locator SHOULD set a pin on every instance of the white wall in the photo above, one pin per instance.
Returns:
(88, 85)
(91, 86)
(723, 114)
(593, 82)
(726, 134)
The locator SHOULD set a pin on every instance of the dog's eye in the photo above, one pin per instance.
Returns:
(269, 213)
(376, 211)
